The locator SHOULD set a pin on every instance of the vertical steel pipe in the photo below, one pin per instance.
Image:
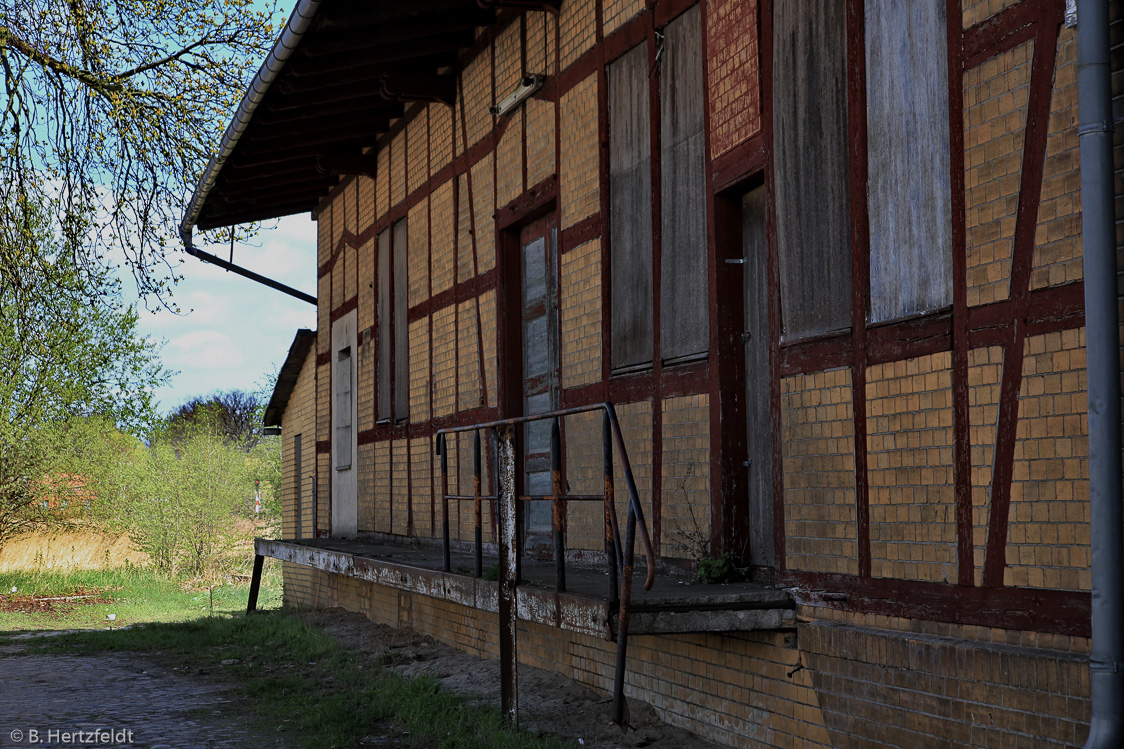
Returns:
(1098, 218)
(476, 502)
(612, 548)
(620, 707)
(509, 560)
(443, 451)
(557, 504)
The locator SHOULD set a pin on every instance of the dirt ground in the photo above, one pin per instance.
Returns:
(173, 707)
(548, 702)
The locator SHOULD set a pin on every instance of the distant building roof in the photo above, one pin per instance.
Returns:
(287, 378)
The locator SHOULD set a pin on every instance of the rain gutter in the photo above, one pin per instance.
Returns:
(283, 48)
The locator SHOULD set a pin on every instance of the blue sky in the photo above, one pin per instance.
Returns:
(238, 331)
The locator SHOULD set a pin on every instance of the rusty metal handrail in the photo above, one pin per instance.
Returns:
(619, 557)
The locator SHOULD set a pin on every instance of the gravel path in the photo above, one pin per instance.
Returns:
(111, 699)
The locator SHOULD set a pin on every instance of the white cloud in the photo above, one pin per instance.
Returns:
(239, 331)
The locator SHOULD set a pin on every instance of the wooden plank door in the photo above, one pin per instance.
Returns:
(538, 249)
(758, 418)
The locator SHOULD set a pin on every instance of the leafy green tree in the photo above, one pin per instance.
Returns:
(234, 414)
(108, 112)
(67, 352)
(183, 497)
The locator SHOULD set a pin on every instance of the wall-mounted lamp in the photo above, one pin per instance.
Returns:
(528, 85)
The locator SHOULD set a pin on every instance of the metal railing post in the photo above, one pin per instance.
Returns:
(509, 559)
(443, 451)
(557, 504)
(612, 558)
(476, 502)
(620, 707)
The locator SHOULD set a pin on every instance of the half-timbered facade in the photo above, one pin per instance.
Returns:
(824, 259)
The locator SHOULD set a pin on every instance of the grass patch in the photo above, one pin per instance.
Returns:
(304, 683)
(132, 594)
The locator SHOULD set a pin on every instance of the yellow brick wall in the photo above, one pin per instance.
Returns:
(400, 485)
(444, 332)
(299, 419)
(579, 171)
(1048, 531)
(419, 371)
(365, 488)
(417, 157)
(615, 13)
(540, 141)
(323, 492)
(349, 202)
(470, 395)
(487, 302)
(418, 228)
(584, 472)
(636, 428)
(509, 160)
(581, 314)
(985, 373)
(977, 11)
(382, 182)
(398, 148)
(818, 457)
(324, 236)
(995, 106)
(443, 238)
(366, 200)
(909, 455)
(839, 679)
(577, 29)
(323, 402)
(477, 95)
(440, 136)
(466, 245)
(421, 486)
(484, 206)
(685, 469)
(338, 216)
(1057, 239)
(381, 494)
(541, 52)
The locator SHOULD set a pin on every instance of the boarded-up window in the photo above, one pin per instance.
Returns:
(383, 312)
(683, 281)
(343, 409)
(910, 200)
(630, 210)
(401, 331)
(811, 165)
(391, 308)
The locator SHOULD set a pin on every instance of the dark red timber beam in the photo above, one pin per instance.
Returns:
(772, 263)
(961, 423)
(1030, 190)
(860, 268)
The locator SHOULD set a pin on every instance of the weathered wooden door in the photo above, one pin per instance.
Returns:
(759, 429)
(538, 243)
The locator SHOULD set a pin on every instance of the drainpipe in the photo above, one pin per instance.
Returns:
(1098, 220)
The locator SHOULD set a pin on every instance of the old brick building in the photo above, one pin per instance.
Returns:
(824, 259)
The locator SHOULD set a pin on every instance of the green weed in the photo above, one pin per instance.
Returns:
(301, 681)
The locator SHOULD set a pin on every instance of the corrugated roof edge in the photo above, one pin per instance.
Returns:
(287, 377)
(295, 28)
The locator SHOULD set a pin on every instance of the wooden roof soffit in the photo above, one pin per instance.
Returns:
(345, 164)
(551, 6)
